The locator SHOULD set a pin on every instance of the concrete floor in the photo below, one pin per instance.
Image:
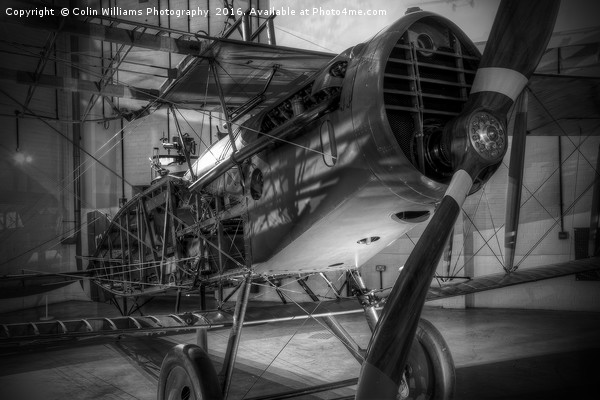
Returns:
(499, 354)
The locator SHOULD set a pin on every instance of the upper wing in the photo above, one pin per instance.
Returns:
(561, 104)
(243, 69)
(496, 281)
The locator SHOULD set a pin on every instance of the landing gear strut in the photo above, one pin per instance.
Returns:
(429, 373)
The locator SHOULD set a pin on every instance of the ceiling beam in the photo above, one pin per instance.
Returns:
(78, 85)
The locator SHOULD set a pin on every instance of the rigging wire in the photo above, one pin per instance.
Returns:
(486, 242)
(571, 207)
(468, 233)
(565, 134)
(532, 194)
(487, 202)
(209, 149)
(80, 166)
(82, 170)
(156, 100)
(311, 317)
(556, 222)
(81, 54)
(304, 39)
(149, 106)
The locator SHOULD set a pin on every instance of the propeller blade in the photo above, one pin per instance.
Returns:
(392, 339)
(477, 142)
(515, 182)
(516, 43)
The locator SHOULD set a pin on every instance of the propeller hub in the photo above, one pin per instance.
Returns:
(487, 136)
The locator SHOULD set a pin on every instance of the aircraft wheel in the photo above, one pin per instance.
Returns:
(188, 373)
(429, 372)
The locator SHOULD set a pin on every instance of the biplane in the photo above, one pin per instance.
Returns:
(353, 152)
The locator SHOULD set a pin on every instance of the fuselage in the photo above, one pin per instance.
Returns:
(361, 176)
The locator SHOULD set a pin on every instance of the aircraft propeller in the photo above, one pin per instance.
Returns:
(476, 142)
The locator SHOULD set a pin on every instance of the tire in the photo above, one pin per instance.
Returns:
(429, 372)
(187, 373)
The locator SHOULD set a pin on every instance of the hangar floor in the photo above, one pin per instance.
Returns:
(499, 354)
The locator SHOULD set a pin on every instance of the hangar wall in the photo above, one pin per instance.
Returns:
(37, 228)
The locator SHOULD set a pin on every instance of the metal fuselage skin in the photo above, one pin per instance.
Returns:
(315, 215)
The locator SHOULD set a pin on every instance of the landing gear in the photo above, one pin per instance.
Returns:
(429, 371)
(188, 373)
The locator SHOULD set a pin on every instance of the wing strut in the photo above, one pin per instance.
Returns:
(254, 101)
(235, 334)
(186, 153)
(515, 182)
(213, 68)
